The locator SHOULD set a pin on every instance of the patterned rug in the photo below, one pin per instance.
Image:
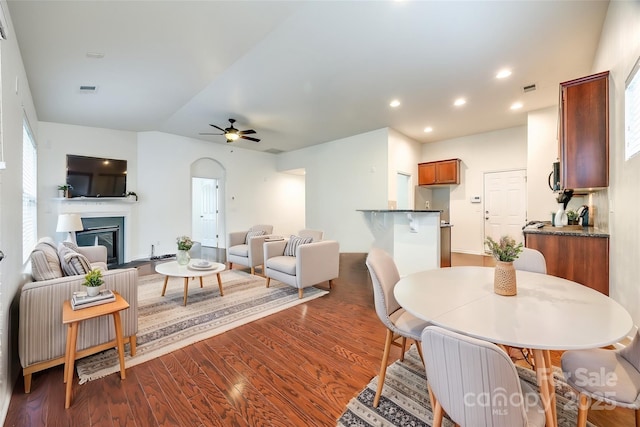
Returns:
(405, 401)
(165, 324)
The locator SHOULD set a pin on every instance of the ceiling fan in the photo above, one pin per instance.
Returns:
(233, 134)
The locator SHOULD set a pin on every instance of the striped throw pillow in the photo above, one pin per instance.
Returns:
(45, 264)
(294, 242)
(72, 262)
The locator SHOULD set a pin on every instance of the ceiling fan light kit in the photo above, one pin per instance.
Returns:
(232, 134)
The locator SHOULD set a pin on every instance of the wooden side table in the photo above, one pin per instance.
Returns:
(72, 318)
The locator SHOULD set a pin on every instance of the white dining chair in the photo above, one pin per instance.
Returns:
(608, 376)
(531, 260)
(399, 323)
(476, 383)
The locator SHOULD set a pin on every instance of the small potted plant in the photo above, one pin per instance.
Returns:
(505, 252)
(131, 195)
(93, 280)
(572, 217)
(63, 190)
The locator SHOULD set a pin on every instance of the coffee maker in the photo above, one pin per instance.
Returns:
(583, 216)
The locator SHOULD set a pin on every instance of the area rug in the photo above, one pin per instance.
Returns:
(165, 324)
(405, 401)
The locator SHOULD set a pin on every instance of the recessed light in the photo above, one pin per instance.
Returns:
(516, 106)
(95, 55)
(459, 102)
(503, 74)
(428, 129)
(395, 103)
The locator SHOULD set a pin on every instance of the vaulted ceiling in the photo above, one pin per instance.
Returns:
(305, 72)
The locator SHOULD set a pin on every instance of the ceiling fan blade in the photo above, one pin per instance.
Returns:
(249, 138)
(217, 127)
(207, 133)
(246, 132)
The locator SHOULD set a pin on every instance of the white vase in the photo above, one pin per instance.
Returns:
(560, 219)
(183, 257)
(92, 291)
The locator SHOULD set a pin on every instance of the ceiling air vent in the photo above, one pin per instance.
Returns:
(529, 88)
(273, 151)
(88, 89)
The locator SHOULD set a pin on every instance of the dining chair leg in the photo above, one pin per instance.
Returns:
(419, 347)
(583, 410)
(383, 367)
(432, 397)
(253, 271)
(438, 413)
(404, 348)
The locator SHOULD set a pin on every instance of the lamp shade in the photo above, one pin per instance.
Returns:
(69, 222)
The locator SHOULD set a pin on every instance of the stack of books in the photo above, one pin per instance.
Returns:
(81, 300)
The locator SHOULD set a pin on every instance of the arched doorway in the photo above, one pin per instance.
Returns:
(207, 203)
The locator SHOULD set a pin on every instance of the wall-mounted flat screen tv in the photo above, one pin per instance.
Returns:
(96, 177)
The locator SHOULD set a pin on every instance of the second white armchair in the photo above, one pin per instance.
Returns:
(307, 265)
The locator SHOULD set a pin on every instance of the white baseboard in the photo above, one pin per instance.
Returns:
(5, 403)
(463, 251)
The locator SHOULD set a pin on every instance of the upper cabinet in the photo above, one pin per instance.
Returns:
(584, 132)
(444, 172)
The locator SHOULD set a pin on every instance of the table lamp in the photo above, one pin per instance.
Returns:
(69, 223)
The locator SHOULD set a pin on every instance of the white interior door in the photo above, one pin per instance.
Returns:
(205, 211)
(403, 183)
(505, 204)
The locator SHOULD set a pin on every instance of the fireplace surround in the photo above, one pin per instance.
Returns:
(105, 231)
(97, 213)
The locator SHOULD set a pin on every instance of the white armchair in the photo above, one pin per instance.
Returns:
(245, 247)
(313, 263)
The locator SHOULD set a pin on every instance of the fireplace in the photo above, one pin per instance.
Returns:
(105, 231)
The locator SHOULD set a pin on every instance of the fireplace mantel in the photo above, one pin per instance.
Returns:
(96, 199)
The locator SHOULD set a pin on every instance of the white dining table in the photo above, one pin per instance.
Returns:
(548, 313)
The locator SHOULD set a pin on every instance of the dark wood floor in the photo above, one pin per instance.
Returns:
(298, 367)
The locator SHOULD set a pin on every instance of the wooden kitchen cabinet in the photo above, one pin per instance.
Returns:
(584, 132)
(443, 172)
(582, 259)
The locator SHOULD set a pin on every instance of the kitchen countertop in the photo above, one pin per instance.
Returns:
(567, 230)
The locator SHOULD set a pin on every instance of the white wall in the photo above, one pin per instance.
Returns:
(255, 192)
(542, 151)
(499, 150)
(15, 105)
(618, 50)
(404, 155)
(55, 142)
(341, 177)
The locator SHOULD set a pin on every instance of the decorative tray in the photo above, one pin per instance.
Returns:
(202, 265)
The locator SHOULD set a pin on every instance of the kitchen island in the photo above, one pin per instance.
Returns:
(411, 237)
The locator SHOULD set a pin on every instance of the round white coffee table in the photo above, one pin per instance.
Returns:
(173, 269)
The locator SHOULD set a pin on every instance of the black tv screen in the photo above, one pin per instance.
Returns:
(96, 177)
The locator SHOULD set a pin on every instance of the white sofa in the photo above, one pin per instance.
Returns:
(42, 336)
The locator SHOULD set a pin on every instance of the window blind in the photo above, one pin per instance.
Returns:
(29, 192)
